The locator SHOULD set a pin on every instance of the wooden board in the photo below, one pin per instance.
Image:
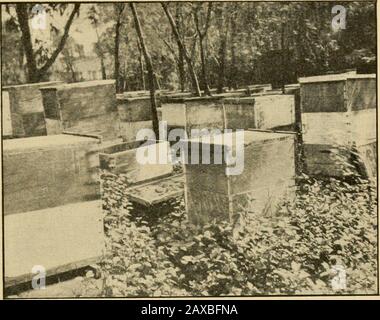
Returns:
(204, 114)
(128, 130)
(26, 98)
(121, 158)
(71, 102)
(6, 111)
(368, 155)
(361, 93)
(323, 97)
(24, 112)
(134, 109)
(325, 160)
(326, 128)
(174, 114)
(59, 239)
(274, 111)
(157, 191)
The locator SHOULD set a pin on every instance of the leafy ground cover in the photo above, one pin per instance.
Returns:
(295, 251)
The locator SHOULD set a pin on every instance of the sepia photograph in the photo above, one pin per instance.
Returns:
(189, 149)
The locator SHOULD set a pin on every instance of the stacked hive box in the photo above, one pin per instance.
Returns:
(339, 121)
(48, 171)
(23, 110)
(268, 175)
(83, 108)
(194, 113)
(266, 111)
(223, 111)
(52, 215)
(135, 113)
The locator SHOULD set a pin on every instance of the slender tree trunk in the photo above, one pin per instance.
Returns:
(206, 88)
(232, 79)
(193, 76)
(26, 38)
(223, 24)
(103, 68)
(149, 65)
(119, 7)
(202, 34)
(102, 65)
(222, 63)
(141, 62)
(181, 62)
(116, 56)
(283, 66)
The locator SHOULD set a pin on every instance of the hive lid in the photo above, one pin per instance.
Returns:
(43, 142)
(250, 137)
(335, 77)
(75, 85)
(38, 84)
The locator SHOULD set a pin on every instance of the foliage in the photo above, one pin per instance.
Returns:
(293, 252)
(265, 41)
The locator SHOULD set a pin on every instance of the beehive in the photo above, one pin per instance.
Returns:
(85, 107)
(24, 109)
(49, 171)
(338, 116)
(135, 113)
(193, 113)
(268, 174)
(122, 158)
(266, 111)
(134, 109)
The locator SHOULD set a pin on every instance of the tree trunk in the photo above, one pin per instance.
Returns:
(102, 66)
(222, 63)
(181, 62)
(206, 88)
(34, 74)
(193, 76)
(149, 65)
(141, 62)
(119, 10)
(232, 79)
(26, 38)
(202, 34)
(116, 56)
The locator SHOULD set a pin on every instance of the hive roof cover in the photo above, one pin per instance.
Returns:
(45, 142)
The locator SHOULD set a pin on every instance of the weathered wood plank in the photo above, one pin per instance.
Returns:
(157, 191)
(59, 239)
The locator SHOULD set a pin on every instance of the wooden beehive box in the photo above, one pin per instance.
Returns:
(260, 112)
(122, 158)
(134, 109)
(194, 113)
(49, 171)
(338, 112)
(85, 107)
(24, 109)
(268, 175)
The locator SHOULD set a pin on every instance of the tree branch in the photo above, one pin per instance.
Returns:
(61, 44)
